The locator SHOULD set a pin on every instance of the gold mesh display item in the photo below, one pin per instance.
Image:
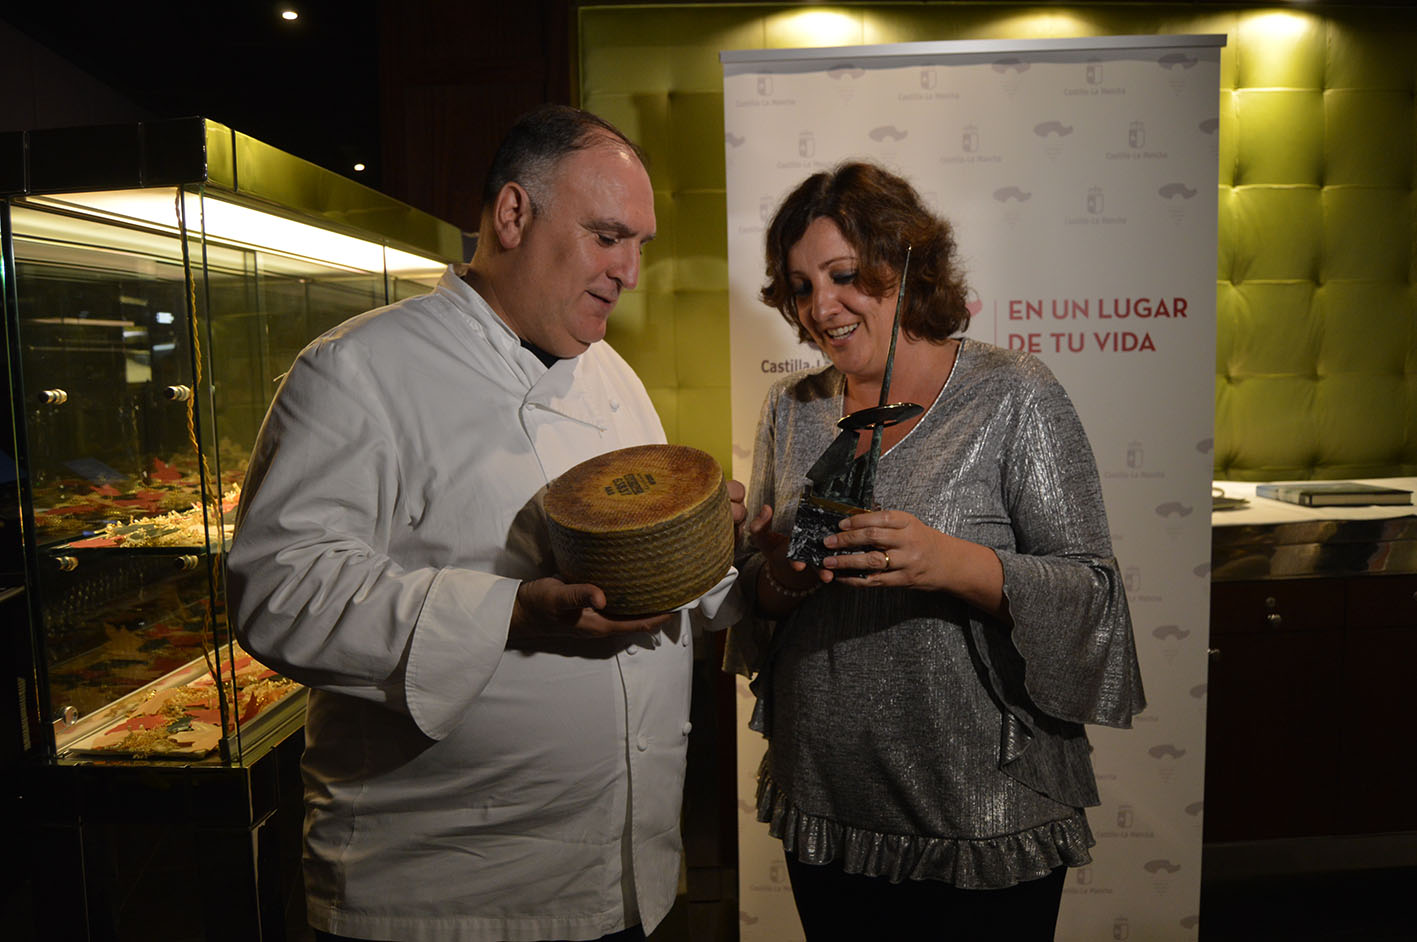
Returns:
(650, 525)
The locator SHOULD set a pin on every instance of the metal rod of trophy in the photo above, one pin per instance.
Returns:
(873, 456)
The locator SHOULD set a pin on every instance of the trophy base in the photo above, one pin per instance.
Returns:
(817, 518)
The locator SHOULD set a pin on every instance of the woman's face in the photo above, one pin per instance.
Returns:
(851, 327)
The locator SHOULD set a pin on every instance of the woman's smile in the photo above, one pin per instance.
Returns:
(852, 327)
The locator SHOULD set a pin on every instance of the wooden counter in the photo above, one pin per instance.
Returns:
(1313, 638)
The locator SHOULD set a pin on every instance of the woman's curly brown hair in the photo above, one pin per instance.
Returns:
(879, 214)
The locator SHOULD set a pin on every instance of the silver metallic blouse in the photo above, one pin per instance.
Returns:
(909, 735)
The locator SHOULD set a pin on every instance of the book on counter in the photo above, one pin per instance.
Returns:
(1334, 494)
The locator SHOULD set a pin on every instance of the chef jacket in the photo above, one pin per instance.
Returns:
(456, 789)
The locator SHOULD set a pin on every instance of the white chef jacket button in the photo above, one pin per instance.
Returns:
(631, 649)
(688, 728)
(614, 405)
(684, 638)
(642, 743)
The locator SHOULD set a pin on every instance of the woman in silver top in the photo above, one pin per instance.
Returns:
(924, 700)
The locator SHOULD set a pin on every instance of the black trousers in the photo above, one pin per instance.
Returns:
(835, 905)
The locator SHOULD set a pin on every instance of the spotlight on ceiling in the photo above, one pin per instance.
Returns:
(289, 16)
(358, 168)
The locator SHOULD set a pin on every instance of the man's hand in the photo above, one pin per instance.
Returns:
(549, 608)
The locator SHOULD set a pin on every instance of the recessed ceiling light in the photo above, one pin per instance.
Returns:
(289, 15)
(358, 168)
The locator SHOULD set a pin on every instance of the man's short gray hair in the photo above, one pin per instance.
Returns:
(538, 141)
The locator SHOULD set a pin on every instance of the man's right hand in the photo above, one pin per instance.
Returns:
(550, 608)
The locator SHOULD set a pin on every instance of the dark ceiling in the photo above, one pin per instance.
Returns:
(310, 87)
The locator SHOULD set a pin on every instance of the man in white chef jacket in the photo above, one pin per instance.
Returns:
(487, 757)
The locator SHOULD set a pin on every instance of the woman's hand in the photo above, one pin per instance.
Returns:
(739, 510)
(782, 582)
(903, 551)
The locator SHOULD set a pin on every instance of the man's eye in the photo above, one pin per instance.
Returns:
(843, 277)
(606, 239)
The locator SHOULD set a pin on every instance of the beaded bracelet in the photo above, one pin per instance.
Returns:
(783, 590)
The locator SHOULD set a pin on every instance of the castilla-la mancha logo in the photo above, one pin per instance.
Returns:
(1094, 201)
(1012, 199)
(1167, 756)
(846, 75)
(1177, 65)
(1161, 871)
(1136, 135)
(1177, 195)
(1009, 70)
(1053, 134)
(1170, 637)
(1210, 127)
(969, 139)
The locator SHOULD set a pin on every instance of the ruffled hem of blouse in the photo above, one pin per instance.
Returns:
(984, 863)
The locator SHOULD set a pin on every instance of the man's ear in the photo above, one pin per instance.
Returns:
(511, 213)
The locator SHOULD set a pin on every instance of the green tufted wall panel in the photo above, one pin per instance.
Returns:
(1316, 356)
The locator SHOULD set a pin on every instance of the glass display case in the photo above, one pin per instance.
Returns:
(159, 279)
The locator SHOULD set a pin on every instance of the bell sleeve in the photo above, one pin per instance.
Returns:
(1067, 604)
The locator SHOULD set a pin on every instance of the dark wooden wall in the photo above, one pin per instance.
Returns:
(425, 88)
(454, 75)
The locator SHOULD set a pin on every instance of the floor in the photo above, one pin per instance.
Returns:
(1253, 894)
(1354, 906)
(1377, 905)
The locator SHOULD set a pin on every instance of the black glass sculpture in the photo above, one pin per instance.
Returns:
(842, 484)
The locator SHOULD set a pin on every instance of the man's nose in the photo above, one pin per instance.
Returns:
(625, 267)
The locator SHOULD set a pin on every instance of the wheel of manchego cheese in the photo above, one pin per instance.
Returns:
(650, 525)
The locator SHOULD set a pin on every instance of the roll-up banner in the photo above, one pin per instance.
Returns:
(1081, 178)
